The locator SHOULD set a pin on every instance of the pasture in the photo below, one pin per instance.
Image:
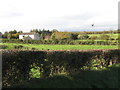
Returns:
(111, 35)
(60, 47)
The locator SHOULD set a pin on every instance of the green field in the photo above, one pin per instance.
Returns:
(97, 40)
(61, 47)
(111, 35)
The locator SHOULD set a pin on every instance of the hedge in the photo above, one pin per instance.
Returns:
(70, 42)
(17, 63)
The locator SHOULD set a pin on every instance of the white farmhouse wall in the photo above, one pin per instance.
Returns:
(20, 36)
(33, 36)
(36, 37)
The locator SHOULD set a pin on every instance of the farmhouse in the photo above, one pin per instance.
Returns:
(29, 36)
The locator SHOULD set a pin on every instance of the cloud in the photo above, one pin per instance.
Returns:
(12, 15)
(83, 16)
(58, 14)
(89, 28)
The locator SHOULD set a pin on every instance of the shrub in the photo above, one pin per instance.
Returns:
(84, 36)
(18, 47)
(33, 49)
(17, 64)
(3, 46)
(104, 37)
(66, 41)
(93, 37)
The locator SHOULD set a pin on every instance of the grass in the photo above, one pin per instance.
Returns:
(61, 47)
(98, 40)
(112, 35)
(106, 78)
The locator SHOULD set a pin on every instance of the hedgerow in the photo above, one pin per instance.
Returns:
(70, 42)
(3, 46)
(16, 64)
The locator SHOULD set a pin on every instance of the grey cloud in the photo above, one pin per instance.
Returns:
(84, 16)
(108, 25)
(12, 15)
(88, 28)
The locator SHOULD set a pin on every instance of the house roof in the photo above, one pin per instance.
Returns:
(27, 38)
(27, 33)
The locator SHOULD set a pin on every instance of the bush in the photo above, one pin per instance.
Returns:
(84, 36)
(93, 37)
(18, 47)
(63, 42)
(3, 46)
(17, 64)
(104, 37)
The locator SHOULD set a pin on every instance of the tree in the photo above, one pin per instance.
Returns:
(61, 35)
(73, 36)
(79, 36)
(20, 31)
(5, 35)
(93, 37)
(104, 37)
(54, 30)
(9, 36)
(15, 36)
(82, 36)
(13, 32)
(41, 36)
(34, 30)
(0, 34)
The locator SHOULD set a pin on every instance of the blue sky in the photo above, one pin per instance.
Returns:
(64, 15)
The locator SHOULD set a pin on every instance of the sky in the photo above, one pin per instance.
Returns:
(63, 15)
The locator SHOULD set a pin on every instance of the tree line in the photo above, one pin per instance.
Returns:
(58, 35)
